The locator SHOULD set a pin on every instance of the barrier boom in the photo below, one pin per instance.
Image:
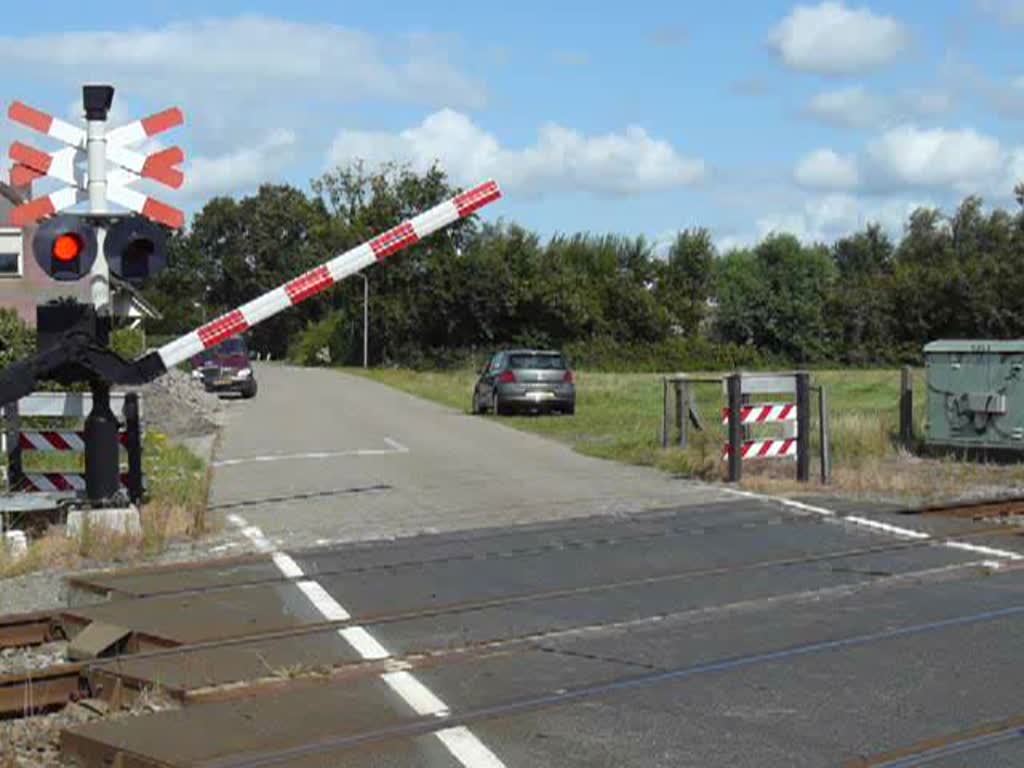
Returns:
(323, 277)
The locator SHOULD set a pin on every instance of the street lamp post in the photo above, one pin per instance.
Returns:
(366, 319)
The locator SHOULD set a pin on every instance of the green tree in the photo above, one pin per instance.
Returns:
(685, 279)
(859, 303)
(774, 297)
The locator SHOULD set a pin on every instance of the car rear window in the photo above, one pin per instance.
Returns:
(536, 362)
(235, 346)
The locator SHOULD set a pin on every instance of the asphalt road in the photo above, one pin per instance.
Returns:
(322, 456)
(539, 630)
(737, 633)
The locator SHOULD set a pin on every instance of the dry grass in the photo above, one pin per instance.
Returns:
(176, 510)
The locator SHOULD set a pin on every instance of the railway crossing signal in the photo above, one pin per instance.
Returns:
(65, 247)
(75, 244)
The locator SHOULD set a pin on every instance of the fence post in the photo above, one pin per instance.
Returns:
(664, 412)
(803, 427)
(682, 407)
(826, 454)
(134, 446)
(735, 428)
(906, 407)
(12, 427)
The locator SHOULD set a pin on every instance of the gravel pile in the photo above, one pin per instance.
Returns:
(180, 407)
(15, 661)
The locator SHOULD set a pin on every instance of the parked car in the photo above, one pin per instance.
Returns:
(226, 368)
(525, 380)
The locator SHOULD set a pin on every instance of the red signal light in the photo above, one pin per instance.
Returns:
(507, 378)
(67, 247)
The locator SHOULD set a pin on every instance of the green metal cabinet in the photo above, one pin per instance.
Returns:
(976, 394)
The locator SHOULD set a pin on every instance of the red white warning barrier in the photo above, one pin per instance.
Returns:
(323, 277)
(53, 482)
(66, 165)
(764, 449)
(52, 441)
(63, 405)
(766, 413)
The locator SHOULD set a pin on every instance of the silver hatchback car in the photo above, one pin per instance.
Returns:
(525, 380)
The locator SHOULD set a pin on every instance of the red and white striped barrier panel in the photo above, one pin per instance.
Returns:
(66, 165)
(764, 449)
(53, 482)
(323, 277)
(766, 413)
(48, 441)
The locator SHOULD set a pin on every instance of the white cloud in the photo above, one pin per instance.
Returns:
(826, 218)
(962, 159)
(851, 107)
(615, 163)
(929, 102)
(831, 39)
(241, 170)
(826, 169)
(1009, 11)
(249, 56)
(855, 107)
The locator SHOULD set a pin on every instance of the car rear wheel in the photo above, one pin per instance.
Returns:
(500, 406)
(478, 406)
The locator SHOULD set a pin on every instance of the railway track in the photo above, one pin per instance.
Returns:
(117, 680)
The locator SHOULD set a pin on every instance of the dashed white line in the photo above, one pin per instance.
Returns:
(894, 530)
(981, 550)
(467, 748)
(394, 448)
(462, 743)
(286, 565)
(416, 694)
(330, 608)
(366, 645)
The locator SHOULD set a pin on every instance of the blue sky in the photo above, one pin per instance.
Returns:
(639, 118)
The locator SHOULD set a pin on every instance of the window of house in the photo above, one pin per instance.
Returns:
(10, 253)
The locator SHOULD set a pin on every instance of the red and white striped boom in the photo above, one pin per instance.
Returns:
(323, 277)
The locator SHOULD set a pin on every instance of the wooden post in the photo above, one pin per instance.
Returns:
(803, 427)
(684, 412)
(906, 407)
(734, 388)
(680, 413)
(826, 454)
(664, 412)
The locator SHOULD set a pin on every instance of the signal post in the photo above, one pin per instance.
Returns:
(92, 242)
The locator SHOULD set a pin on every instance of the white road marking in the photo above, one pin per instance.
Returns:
(878, 525)
(416, 694)
(329, 608)
(366, 645)
(984, 550)
(895, 530)
(462, 743)
(467, 748)
(394, 448)
(286, 565)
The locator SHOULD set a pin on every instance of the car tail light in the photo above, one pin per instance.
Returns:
(507, 378)
(568, 378)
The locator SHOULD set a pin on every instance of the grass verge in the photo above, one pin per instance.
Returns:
(619, 417)
(179, 483)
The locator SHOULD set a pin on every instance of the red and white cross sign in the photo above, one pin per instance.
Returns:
(68, 165)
